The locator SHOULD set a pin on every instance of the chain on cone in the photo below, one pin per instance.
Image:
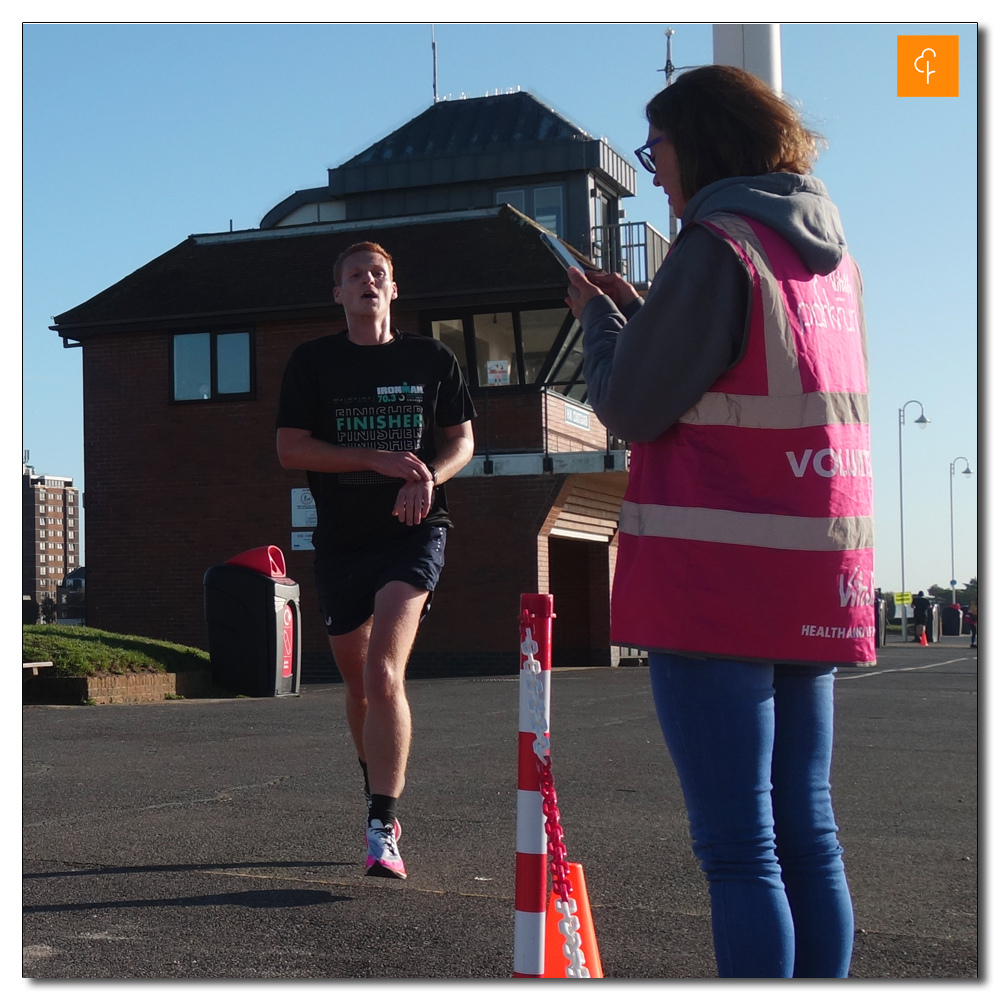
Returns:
(569, 925)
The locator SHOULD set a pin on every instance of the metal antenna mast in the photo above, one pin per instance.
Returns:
(434, 54)
(668, 70)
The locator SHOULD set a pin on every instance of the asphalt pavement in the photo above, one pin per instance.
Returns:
(223, 839)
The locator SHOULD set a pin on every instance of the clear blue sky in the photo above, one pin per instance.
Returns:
(136, 136)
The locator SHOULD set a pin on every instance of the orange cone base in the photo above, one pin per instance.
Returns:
(556, 962)
(923, 639)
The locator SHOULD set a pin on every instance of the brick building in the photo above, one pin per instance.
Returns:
(50, 534)
(182, 364)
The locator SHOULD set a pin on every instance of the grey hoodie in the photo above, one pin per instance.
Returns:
(647, 367)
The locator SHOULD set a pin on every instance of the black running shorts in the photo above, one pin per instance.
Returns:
(347, 580)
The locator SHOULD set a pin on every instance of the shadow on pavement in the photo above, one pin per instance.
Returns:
(259, 899)
(152, 869)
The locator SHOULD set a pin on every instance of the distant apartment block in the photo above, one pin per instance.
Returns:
(50, 533)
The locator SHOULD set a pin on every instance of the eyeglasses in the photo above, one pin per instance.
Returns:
(644, 156)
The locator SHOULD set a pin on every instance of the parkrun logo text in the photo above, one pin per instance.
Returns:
(830, 462)
(927, 65)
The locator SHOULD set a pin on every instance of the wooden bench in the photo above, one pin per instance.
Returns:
(43, 667)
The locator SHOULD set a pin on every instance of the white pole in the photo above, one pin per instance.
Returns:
(531, 871)
(753, 47)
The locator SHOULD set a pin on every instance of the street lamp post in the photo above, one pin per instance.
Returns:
(951, 512)
(921, 422)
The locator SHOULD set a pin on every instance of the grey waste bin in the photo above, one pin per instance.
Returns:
(951, 621)
(880, 622)
(254, 624)
(934, 623)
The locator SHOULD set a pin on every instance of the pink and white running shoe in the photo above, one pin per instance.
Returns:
(397, 830)
(383, 858)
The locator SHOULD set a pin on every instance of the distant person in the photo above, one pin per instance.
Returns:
(745, 539)
(972, 617)
(921, 609)
(358, 412)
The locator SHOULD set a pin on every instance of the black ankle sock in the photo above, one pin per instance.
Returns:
(364, 768)
(383, 808)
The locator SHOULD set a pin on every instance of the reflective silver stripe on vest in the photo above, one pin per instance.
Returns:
(732, 527)
(780, 351)
(810, 409)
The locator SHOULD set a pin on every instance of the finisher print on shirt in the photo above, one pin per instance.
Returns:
(385, 397)
(395, 422)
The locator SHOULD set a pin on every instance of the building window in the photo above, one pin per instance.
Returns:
(543, 204)
(549, 208)
(506, 347)
(496, 348)
(451, 333)
(514, 198)
(566, 369)
(208, 366)
(539, 330)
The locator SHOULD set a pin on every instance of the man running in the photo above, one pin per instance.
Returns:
(921, 612)
(357, 412)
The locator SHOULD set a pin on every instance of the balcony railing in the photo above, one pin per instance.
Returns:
(635, 250)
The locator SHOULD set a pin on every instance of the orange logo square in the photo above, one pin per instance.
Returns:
(927, 65)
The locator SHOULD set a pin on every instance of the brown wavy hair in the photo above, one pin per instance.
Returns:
(725, 122)
(338, 264)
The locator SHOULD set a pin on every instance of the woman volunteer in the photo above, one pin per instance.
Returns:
(745, 540)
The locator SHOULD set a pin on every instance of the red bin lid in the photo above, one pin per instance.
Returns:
(267, 559)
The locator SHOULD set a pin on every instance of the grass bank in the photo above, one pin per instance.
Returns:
(88, 652)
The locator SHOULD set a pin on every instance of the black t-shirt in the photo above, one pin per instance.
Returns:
(388, 397)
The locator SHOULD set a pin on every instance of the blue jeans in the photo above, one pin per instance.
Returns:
(752, 745)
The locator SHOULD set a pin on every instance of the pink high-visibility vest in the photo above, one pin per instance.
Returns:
(746, 531)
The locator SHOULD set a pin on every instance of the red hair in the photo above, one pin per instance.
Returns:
(338, 264)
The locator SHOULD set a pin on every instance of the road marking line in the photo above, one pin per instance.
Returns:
(225, 795)
(900, 670)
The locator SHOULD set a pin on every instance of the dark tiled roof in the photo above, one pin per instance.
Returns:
(473, 125)
(505, 138)
(489, 255)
